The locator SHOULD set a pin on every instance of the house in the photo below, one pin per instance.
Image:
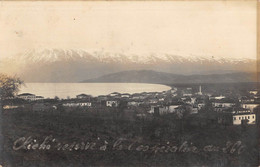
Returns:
(173, 90)
(6, 107)
(254, 92)
(74, 104)
(112, 103)
(153, 100)
(134, 103)
(39, 98)
(250, 106)
(102, 98)
(237, 116)
(225, 103)
(161, 99)
(27, 96)
(158, 109)
(236, 110)
(187, 94)
(244, 118)
(217, 97)
(83, 96)
(139, 96)
(245, 99)
(125, 95)
(172, 108)
(114, 94)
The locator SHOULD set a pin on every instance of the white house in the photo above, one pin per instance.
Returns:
(217, 97)
(112, 103)
(161, 99)
(134, 103)
(10, 107)
(114, 94)
(173, 90)
(245, 99)
(126, 95)
(250, 106)
(249, 118)
(187, 94)
(223, 104)
(85, 104)
(237, 116)
(83, 96)
(254, 92)
(27, 96)
(39, 98)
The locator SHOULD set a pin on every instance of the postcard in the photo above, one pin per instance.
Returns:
(129, 83)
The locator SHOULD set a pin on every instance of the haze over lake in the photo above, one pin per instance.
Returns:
(63, 90)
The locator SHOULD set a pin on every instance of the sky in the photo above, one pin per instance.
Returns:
(188, 28)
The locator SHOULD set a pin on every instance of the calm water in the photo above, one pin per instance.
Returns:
(63, 90)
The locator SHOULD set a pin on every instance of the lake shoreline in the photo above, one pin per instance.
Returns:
(63, 90)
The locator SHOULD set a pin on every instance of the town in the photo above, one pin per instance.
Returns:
(210, 116)
(228, 107)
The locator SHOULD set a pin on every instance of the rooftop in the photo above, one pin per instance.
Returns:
(26, 94)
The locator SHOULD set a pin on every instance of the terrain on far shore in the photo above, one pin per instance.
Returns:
(149, 76)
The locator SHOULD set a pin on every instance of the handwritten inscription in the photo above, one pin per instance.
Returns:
(51, 143)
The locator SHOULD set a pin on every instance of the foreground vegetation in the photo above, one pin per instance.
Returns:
(109, 126)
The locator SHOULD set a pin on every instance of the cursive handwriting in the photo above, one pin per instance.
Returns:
(51, 143)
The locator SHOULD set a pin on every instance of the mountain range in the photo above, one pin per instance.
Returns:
(75, 65)
(149, 76)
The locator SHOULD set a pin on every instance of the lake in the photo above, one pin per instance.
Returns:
(64, 90)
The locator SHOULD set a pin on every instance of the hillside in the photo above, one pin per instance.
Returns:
(149, 76)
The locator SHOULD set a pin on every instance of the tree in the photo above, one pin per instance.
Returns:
(9, 86)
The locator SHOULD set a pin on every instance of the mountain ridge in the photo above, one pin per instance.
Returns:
(150, 76)
(70, 65)
(52, 55)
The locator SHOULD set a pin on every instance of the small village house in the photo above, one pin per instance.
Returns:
(83, 96)
(112, 103)
(30, 97)
(75, 104)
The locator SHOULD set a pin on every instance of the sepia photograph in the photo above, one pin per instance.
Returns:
(129, 83)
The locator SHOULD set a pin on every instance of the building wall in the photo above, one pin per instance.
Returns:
(216, 104)
(250, 106)
(238, 118)
(111, 103)
(30, 97)
(77, 104)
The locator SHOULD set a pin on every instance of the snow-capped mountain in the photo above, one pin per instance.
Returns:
(53, 55)
(72, 65)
